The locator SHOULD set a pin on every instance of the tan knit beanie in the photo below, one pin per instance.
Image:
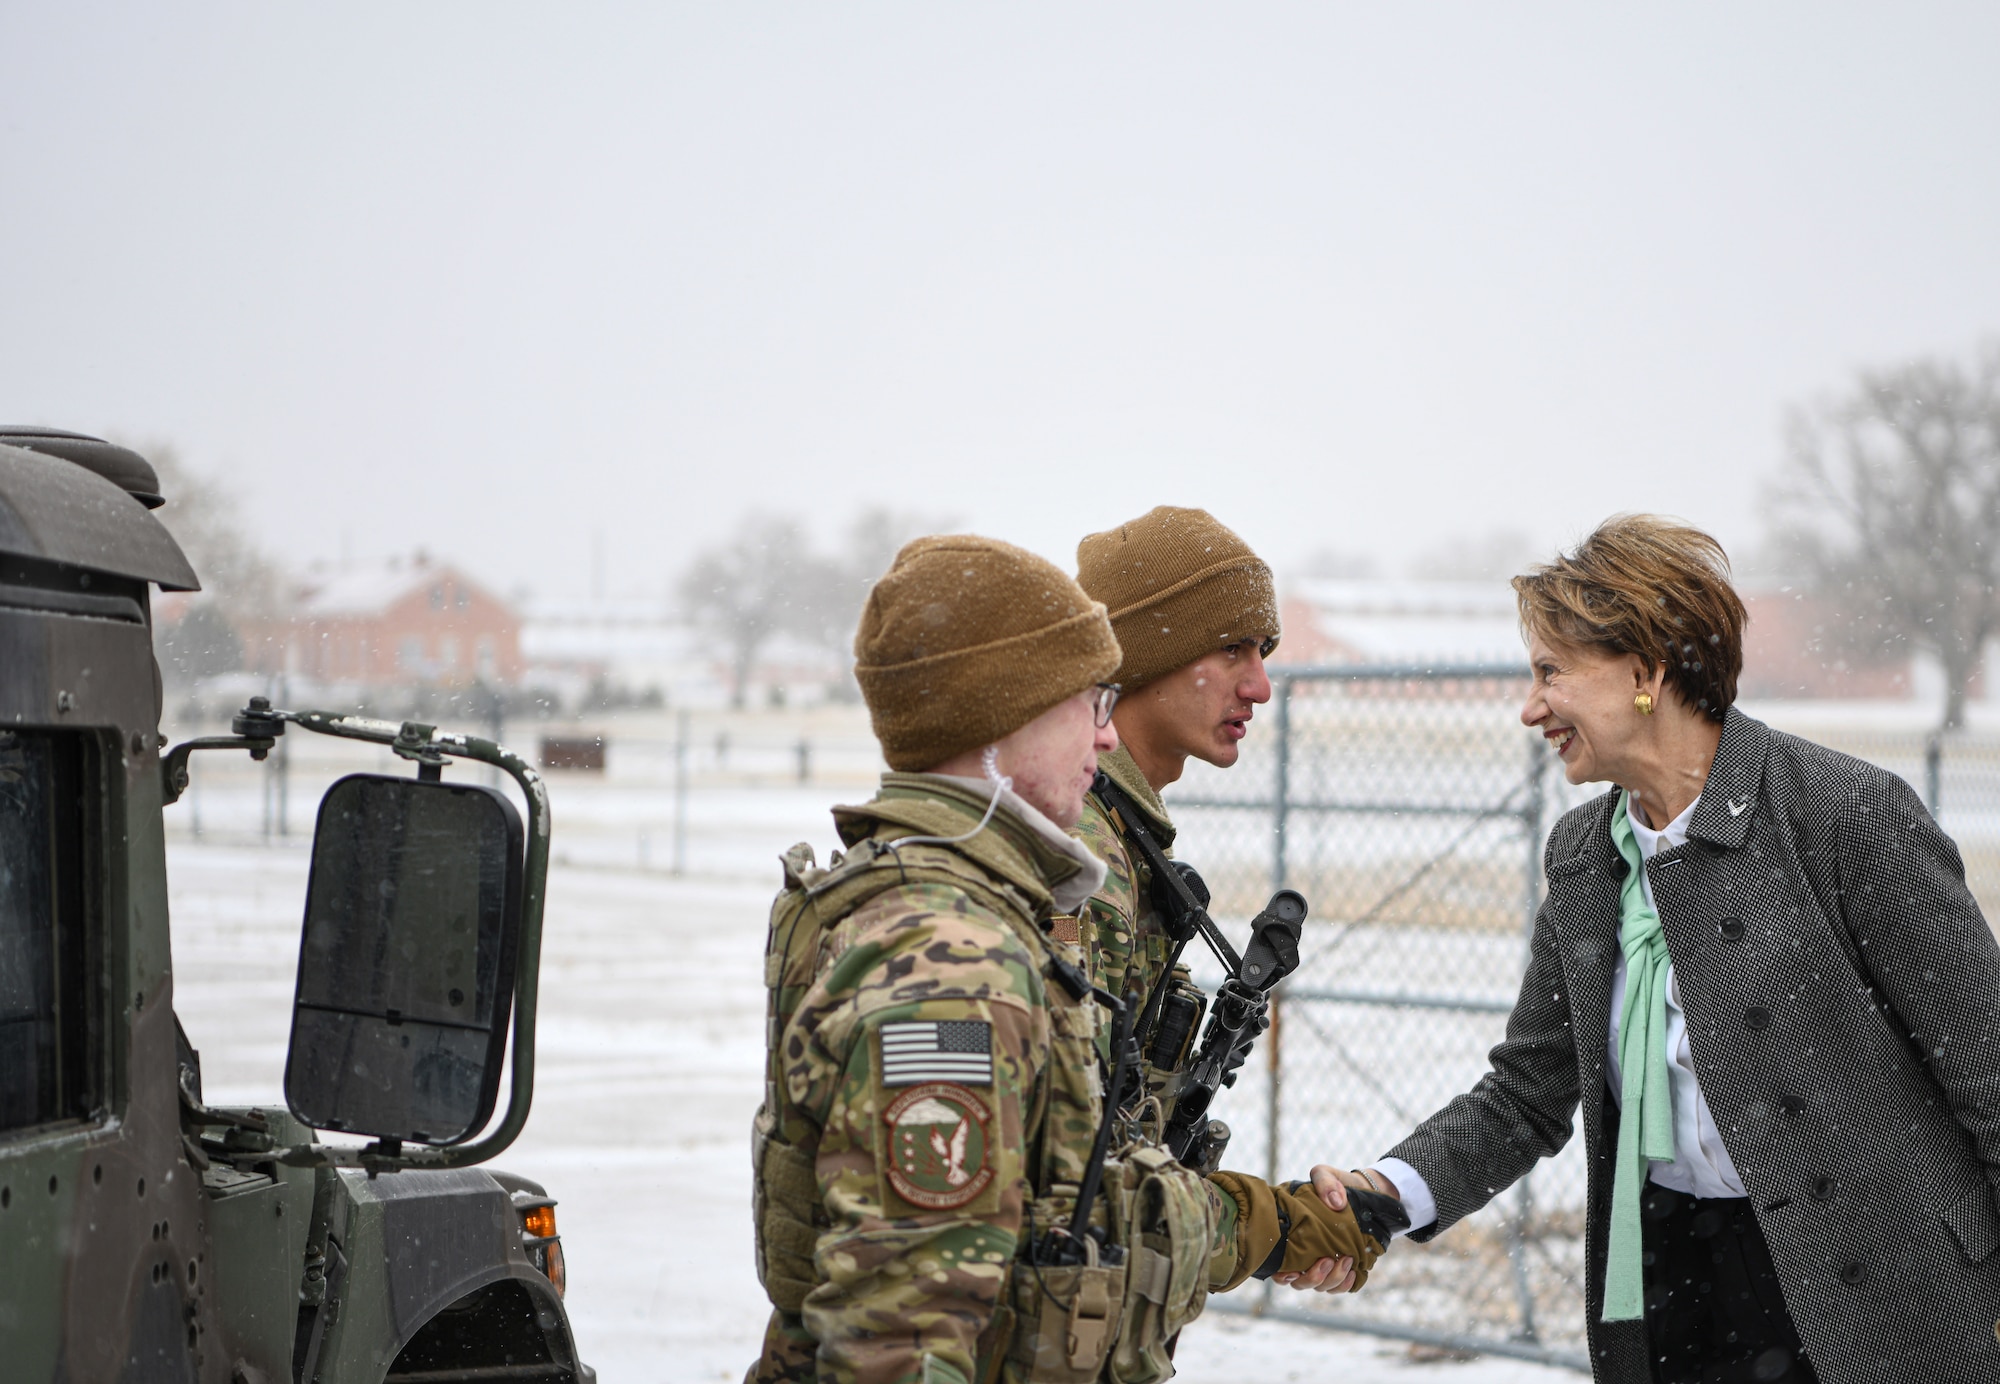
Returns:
(967, 639)
(1178, 584)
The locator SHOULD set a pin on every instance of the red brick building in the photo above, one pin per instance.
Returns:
(414, 621)
(1793, 648)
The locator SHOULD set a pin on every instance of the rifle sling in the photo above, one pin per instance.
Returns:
(1132, 825)
(1137, 833)
(1093, 1173)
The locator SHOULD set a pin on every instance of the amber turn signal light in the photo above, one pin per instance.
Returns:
(557, 1271)
(539, 1222)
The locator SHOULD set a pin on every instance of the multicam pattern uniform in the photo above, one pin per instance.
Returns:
(908, 1292)
(1119, 929)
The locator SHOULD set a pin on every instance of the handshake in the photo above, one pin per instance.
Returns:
(1324, 1234)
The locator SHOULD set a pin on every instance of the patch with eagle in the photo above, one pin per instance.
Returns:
(937, 1154)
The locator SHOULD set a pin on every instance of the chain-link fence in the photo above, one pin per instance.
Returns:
(1410, 806)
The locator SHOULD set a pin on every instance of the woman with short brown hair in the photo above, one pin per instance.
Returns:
(1759, 974)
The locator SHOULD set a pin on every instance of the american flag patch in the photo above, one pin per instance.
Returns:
(959, 1050)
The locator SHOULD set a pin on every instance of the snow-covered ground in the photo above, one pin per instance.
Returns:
(651, 1029)
(649, 1068)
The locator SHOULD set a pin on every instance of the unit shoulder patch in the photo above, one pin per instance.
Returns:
(938, 1146)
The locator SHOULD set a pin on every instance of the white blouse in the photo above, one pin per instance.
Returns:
(1701, 1166)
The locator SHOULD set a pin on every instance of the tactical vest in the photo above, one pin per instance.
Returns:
(1171, 1023)
(1054, 1324)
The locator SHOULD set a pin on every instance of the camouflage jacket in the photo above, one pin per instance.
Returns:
(951, 1089)
(1119, 929)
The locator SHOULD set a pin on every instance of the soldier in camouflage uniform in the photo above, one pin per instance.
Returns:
(934, 1087)
(1196, 614)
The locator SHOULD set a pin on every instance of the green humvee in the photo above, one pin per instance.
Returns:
(145, 1236)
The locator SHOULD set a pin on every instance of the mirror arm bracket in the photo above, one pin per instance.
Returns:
(416, 741)
(256, 728)
(174, 768)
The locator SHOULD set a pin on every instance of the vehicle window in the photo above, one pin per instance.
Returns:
(44, 988)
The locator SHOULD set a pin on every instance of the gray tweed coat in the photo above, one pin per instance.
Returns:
(1843, 1000)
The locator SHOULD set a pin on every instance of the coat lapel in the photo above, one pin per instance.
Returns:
(1735, 783)
(1584, 888)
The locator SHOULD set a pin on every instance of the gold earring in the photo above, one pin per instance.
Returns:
(1644, 701)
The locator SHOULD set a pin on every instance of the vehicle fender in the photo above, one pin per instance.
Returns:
(412, 1244)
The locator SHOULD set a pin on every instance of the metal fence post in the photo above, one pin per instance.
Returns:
(1531, 901)
(1934, 772)
(1517, 1259)
(680, 791)
(1274, 1043)
(284, 758)
(1281, 790)
(1273, 1050)
(1532, 818)
(496, 727)
(274, 780)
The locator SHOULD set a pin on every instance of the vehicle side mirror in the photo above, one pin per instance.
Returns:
(406, 964)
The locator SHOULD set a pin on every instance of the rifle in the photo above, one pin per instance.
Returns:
(1242, 1011)
(1242, 1005)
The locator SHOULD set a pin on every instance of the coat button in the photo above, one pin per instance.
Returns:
(1792, 1105)
(1731, 929)
(1756, 1018)
(1619, 869)
(1854, 1273)
(1822, 1188)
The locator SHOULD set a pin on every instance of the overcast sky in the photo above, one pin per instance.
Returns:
(1381, 279)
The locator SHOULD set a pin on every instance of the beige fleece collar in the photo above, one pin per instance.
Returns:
(1071, 893)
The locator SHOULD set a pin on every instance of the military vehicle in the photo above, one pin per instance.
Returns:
(144, 1235)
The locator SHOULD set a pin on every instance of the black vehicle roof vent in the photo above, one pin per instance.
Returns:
(122, 466)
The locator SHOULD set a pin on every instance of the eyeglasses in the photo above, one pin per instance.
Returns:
(1103, 699)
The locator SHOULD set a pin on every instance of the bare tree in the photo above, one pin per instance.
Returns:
(234, 569)
(1891, 507)
(243, 590)
(866, 549)
(759, 582)
(768, 579)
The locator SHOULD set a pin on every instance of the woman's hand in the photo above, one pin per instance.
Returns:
(1335, 1275)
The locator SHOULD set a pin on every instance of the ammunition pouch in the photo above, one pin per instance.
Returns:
(1106, 1320)
(1169, 1227)
(1173, 1036)
(1066, 1319)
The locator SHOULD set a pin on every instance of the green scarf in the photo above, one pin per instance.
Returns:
(1646, 1118)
